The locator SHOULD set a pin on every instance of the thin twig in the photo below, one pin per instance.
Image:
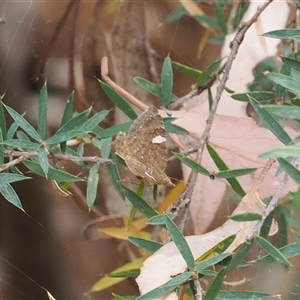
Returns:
(234, 45)
(104, 74)
(59, 156)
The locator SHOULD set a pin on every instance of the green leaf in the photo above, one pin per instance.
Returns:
(294, 63)
(283, 152)
(215, 286)
(245, 217)
(171, 128)
(211, 261)
(1, 148)
(64, 136)
(67, 115)
(139, 203)
(239, 255)
(166, 82)
(288, 82)
(160, 219)
(176, 14)
(106, 147)
(68, 112)
(119, 101)
(125, 274)
(234, 173)
(43, 160)
(242, 295)
(113, 130)
(10, 195)
(92, 185)
(223, 167)
(149, 86)
(94, 121)
(288, 251)
(10, 177)
(115, 179)
(53, 174)
(284, 111)
(12, 130)
(76, 123)
(293, 172)
(280, 90)
(23, 123)
(148, 245)
(187, 70)
(208, 71)
(181, 243)
(270, 122)
(166, 288)
(192, 164)
(271, 250)
(258, 96)
(22, 144)
(42, 115)
(284, 34)
(221, 18)
(2, 120)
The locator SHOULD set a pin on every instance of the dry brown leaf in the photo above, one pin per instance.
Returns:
(170, 261)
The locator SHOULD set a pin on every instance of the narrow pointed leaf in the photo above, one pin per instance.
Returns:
(258, 96)
(223, 167)
(22, 144)
(149, 86)
(294, 63)
(192, 164)
(139, 203)
(115, 179)
(148, 245)
(10, 177)
(234, 173)
(271, 250)
(171, 128)
(239, 255)
(242, 295)
(283, 152)
(68, 112)
(288, 82)
(167, 82)
(42, 114)
(167, 287)
(181, 243)
(245, 217)
(187, 70)
(23, 124)
(119, 101)
(43, 160)
(284, 34)
(2, 120)
(95, 120)
(284, 111)
(92, 185)
(10, 195)
(293, 172)
(211, 261)
(53, 174)
(75, 123)
(270, 122)
(64, 136)
(215, 286)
